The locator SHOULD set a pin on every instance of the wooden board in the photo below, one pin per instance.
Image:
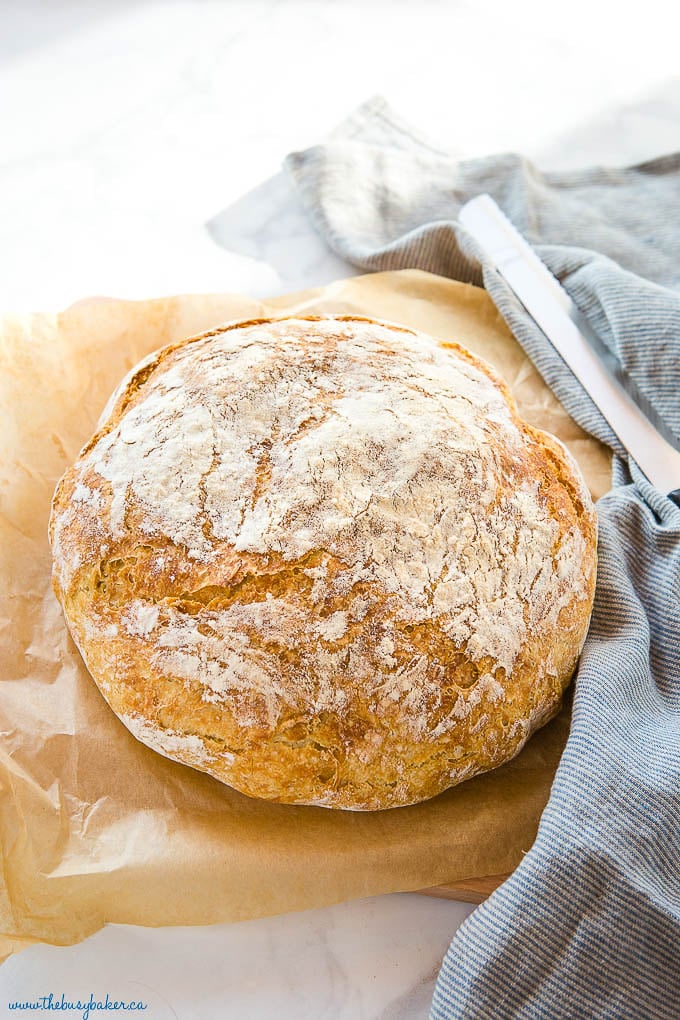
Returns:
(471, 890)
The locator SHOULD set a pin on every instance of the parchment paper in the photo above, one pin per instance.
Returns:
(95, 827)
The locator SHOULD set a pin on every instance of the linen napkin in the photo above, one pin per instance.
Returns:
(589, 924)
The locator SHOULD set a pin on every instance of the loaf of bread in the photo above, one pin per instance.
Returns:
(324, 560)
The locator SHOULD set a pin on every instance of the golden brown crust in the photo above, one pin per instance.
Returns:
(323, 560)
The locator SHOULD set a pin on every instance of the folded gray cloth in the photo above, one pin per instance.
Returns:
(589, 923)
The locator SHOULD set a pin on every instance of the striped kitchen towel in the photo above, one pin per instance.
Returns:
(589, 924)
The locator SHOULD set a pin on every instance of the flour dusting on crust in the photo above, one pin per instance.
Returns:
(169, 743)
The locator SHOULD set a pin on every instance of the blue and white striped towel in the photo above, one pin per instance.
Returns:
(589, 924)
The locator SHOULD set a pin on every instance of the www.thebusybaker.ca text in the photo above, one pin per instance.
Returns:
(82, 1006)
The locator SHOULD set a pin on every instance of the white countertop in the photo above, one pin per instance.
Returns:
(139, 151)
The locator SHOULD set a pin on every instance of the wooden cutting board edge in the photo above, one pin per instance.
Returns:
(470, 890)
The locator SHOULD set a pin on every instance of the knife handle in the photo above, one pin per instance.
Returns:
(549, 305)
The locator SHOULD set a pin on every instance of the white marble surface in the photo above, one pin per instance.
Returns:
(126, 125)
(140, 143)
(362, 960)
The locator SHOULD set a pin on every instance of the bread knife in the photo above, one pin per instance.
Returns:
(545, 300)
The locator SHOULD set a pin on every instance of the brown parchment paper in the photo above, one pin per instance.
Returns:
(95, 827)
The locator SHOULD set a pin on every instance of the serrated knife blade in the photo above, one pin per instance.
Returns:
(547, 302)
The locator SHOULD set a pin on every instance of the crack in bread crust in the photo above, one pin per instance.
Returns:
(324, 560)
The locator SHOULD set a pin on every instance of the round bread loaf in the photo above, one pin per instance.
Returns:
(324, 560)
